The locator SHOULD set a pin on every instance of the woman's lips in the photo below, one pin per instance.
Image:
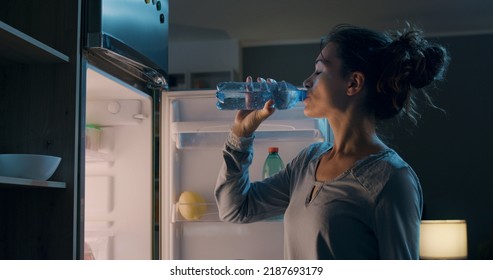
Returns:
(307, 99)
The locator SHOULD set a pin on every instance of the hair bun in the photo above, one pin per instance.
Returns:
(430, 66)
(421, 61)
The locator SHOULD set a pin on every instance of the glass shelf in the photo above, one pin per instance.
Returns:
(31, 183)
(204, 212)
(20, 47)
(197, 212)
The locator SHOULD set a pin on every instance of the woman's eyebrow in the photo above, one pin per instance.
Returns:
(323, 61)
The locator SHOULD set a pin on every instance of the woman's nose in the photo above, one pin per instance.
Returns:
(307, 83)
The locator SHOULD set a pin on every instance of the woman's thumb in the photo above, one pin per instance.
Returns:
(267, 110)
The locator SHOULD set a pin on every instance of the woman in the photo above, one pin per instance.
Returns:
(354, 198)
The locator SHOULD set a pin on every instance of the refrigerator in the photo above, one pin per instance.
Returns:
(145, 146)
(126, 218)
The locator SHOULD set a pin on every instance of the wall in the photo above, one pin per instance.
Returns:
(292, 63)
(450, 152)
(215, 55)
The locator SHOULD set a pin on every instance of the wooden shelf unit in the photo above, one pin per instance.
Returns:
(23, 48)
(31, 183)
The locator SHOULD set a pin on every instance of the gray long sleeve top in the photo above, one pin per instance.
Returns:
(371, 211)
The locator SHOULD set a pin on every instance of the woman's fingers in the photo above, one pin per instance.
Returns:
(247, 121)
(267, 110)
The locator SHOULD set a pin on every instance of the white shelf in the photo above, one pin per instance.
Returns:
(211, 134)
(93, 156)
(31, 183)
(220, 126)
(20, 47)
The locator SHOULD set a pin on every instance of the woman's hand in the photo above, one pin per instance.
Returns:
(247, 121)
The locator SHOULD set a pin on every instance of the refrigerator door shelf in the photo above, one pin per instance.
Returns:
(97, 244)
(104, 152)
(93, 156)
(99, 233)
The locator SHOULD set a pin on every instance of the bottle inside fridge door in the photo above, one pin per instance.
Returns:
(273, 164)
(195, 133)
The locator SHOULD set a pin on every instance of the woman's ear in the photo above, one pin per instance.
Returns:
(356, 82)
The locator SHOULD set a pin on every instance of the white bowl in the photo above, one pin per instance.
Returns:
(27, 166)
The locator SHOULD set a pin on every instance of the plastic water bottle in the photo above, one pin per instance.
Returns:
(273, 164)
(253, 95)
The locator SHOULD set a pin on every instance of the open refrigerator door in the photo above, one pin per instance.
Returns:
(191, 158)
(118, 181)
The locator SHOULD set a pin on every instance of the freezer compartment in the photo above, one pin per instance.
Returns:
(128, 39)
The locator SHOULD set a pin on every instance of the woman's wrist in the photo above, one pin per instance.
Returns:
(239, 132)
(240, 143)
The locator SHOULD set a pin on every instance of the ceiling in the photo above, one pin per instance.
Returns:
(263, 22)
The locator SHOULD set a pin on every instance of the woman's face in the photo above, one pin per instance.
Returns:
(326, 87)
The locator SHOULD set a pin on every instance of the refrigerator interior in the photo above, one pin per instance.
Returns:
(118, 181)
(195, 132)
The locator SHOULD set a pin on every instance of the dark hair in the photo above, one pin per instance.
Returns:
(395, 65)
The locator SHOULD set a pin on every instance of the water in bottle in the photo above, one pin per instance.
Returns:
(253, 95)
(273, 164)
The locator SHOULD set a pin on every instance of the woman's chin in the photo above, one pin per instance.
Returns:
(307, 112)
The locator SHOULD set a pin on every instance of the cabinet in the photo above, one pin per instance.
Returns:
(40, 114)
(200, 79)
(202, 64)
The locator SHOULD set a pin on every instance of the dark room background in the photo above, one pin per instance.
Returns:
(451, 152)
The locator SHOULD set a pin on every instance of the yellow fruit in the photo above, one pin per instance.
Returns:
(191, 205)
